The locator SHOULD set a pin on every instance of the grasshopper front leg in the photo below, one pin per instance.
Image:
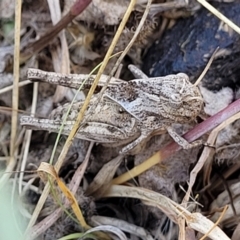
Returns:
(182, 141)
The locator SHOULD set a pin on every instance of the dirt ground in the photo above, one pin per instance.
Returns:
(113, 160)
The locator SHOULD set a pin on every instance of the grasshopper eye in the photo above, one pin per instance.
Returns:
(120, 110)
(176, 98)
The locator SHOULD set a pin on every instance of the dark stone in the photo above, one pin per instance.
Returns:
(189, 44)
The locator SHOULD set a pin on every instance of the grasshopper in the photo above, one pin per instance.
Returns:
(128, 112)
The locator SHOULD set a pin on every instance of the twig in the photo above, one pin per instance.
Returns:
(173, 147)
(37, 46)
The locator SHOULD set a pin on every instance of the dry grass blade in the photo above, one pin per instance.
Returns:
(49, 169)
(13, 151)
(220, 15)
(60, 55)
(16, 68)
(47, 186)
(206, 68)
(92, 89)
(9, 88)
(81, 113)
(107, 228)
(218, 221)
(77, 8)
(42, 226)
(124, 53)
(102, 180)
(173, 210)
(123, 225)
(206, 153)
(28, 137)
(155, 159)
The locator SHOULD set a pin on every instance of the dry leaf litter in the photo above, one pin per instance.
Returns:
(88, 37)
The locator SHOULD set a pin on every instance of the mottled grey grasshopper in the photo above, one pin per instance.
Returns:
(128, 112)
